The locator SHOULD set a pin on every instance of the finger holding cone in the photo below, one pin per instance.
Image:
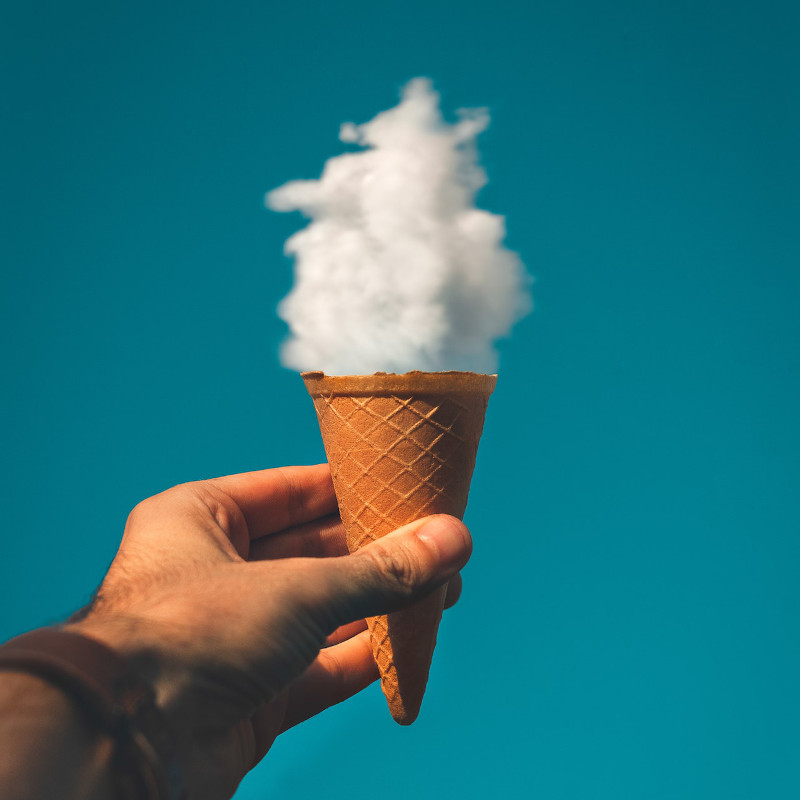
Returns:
(401, 447)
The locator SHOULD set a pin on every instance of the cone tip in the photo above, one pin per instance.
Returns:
(403, 715)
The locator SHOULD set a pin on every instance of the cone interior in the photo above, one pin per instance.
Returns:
(400, 447)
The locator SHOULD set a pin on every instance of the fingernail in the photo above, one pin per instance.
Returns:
(448, 537)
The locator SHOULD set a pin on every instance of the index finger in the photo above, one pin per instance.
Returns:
(272, 500)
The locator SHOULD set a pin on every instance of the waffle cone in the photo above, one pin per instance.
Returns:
(400, 447)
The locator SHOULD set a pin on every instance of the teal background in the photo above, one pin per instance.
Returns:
(629, 625)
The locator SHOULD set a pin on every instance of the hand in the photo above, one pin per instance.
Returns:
(235, 599)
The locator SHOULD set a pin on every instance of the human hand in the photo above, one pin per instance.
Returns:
(235, 599)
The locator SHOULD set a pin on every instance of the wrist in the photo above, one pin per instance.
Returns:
(68, 670)
(144, 653)
(123, 635)
(49, 746)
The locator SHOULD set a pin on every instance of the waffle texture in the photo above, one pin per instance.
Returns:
(400, 447)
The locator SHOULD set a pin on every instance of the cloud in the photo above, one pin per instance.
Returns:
(397, 269)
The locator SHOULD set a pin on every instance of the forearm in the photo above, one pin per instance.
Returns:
(49, 747)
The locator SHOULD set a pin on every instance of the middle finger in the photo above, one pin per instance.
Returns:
(321, 538)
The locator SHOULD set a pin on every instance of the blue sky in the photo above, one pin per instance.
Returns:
(629, 625)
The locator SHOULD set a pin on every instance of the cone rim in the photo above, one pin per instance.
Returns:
(416, 382)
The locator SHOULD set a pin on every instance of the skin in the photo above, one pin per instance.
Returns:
(236, 600)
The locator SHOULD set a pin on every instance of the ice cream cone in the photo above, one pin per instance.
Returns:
(400, 447)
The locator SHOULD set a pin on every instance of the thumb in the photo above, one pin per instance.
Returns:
(392, 572)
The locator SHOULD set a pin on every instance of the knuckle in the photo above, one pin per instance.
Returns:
(208, 496)
(397, 565)
(222, 507)
(337, 673)
(292, 495)
(139, 513)
(154, 504)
